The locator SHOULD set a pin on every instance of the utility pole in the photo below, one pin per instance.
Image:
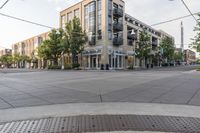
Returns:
(182, 36)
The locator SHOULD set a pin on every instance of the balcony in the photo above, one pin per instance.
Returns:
(92, 40)
(117, 26)
(131, 37)
(130, 42)
(154, 43)
(117, 41)
(117, 12)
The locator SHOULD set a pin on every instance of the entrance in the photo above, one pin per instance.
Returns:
(94, 63)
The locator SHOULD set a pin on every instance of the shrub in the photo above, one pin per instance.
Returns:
(75, 65)
(68, 66)
(54, 67)
(165, 64)
(198, 68)
(130, 67)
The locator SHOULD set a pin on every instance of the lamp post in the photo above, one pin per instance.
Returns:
(134, 34)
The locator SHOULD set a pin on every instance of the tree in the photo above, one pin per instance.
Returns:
(143, 47)
(16, 60)
(196, 40)
(6, 60)
(167, 44)
(51, 49)
(74, 39)
(178, 56)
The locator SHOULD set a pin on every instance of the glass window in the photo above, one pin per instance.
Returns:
(90, 17)
(63, 18)
(69, 17)
(109, 35)
(120, 61)
(77, 13)
(99, 16)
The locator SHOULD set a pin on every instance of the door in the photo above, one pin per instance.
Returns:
(94, 63)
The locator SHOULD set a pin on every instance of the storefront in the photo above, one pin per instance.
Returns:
(116, 59)
(92, 59)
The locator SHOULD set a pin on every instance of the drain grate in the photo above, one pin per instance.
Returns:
(100, 123)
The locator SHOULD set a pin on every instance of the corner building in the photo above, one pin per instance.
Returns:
(111, 44)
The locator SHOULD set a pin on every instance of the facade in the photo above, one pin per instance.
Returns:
(112, 34)
(189, 56)
(28, 48)
(5, 52)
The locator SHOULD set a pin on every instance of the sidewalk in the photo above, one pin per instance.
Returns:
(121, 117)
(76, 109)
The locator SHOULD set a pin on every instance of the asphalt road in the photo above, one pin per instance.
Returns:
(22, 88)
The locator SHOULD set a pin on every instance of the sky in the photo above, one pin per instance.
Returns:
(47, 12)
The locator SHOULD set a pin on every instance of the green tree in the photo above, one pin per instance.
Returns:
(74, 39)
(51, 49)
(196, 40)
(167, 44)
(6, 60)
(16, 60)
(178, 56)
(143, 47)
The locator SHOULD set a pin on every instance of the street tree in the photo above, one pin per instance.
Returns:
(196, 40)
(6, 60)
(143, 47)
(16, 60)
(74, 39)
(178, 56)
(167, 45)
(50, 48)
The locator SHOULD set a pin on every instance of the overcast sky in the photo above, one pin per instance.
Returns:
(47, 12)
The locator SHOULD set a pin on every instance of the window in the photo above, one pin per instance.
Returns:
(77, 13)
(115, 5)
(69, 17)
(90, 17)
(120, 6)
(109, 35)
(63, 18)
(99, 16)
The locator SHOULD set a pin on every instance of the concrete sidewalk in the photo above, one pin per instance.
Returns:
(62, 110)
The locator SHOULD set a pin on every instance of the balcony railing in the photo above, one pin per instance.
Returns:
(92, 40)
(117, 41)
(117, 26)
(130, 42)
(155, 43)
(117, 12)
(131, 37)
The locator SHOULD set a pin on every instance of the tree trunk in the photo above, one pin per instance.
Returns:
(74, 60)
(140, 63)
(55, 61)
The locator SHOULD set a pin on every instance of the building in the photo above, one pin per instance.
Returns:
(112, 34)
(28, 48)
(189, 56)
(5, 51)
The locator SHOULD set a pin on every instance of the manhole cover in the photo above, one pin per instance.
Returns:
(100, 123)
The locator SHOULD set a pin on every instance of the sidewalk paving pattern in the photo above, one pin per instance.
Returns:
(100, 123)
(36, 88)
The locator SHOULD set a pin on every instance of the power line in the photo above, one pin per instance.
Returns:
(27, 21)
(4, 4)
(189, 10)
(171, 20)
